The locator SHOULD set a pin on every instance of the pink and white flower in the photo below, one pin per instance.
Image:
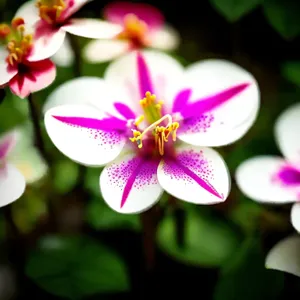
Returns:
(12, 182)
(143, 26)
(150, 121)
(274, 179)
(17, 70)
(20, 164)
(284, 256)
(52, 19)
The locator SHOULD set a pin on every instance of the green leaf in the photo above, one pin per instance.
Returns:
(283, 16)
(291, 71)
(208, 241)
(245, 276)
(75, 267)
(66, 174)
(233, 10)
(100, 216)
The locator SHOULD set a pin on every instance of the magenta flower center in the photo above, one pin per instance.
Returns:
(289, 176)
(160, 126)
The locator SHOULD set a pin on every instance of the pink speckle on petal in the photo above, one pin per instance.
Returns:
(135, 173)
(197, 124)
(194, 161)
(105, 139)
(192, 167)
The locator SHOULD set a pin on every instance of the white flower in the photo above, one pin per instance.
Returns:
(284, 256)
(150, 121)
(20, 164)
(273, 179)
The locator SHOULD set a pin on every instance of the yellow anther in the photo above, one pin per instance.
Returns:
(139, 120)
(175, 126)
(137, 137)
(159, 105)
(12, 58)
(161, 133)
(4, 31)
(21, 28)
(134, 30)
(50, 10)
(18, 49)
(17, 22)
(17, 42)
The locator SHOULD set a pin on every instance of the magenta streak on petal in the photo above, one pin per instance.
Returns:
(124, 110)
(289, 175)
(129, 183)
(206, 185)
(192, 166)
(181, 100)
(107, 124)
(144, 78)
(211, 102)
(141, 174)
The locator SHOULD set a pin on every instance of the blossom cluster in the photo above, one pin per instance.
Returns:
(149, 122)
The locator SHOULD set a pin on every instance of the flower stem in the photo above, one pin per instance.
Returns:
(149, 231)
(39, 142)
(12, 230)
(150, 220)
(77, 69)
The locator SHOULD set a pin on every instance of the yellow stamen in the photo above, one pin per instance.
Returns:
(151, 107)
(134, 30)
(50, 10)
(161, 133)
(4, 31)
(17, 22)
(139, 120)
(18, 49)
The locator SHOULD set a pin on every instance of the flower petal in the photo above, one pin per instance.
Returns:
(287, 129)
(25, 156)
(47, 42)
(198, 175)
(72, 7)
(30, 163)
(233, 97)
(86, 90)
(40, 75)
(295, 216)
(7, 143)
(6, 73)
(116, 11)
(164, 71)
(165, 38)
(64, 57)
(29, 12)
(284, 256)
(12, 185)
(257, 179)
(92, 28)
(99, 51)
(81, 133)
(129, 184)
